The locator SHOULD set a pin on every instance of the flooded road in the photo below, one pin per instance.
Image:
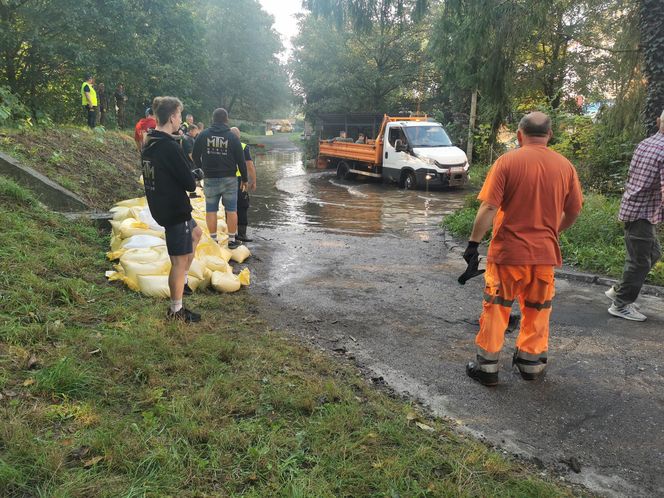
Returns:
(290, 196)
(363, 271)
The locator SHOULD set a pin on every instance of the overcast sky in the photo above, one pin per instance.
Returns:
(284, 17)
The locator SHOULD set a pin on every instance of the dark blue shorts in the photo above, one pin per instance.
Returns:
(179, 238)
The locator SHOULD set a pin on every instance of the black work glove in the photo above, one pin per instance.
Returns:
(198, 174)
(472, 256)
(471, 251)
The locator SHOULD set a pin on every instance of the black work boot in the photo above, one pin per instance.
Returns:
(531, 367)
(242, 234)
(477, 371)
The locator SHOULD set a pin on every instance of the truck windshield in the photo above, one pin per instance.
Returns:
(427, 136)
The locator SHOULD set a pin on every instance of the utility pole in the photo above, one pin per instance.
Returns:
(471, 125)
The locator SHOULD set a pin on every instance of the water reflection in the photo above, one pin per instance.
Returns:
(288, 195)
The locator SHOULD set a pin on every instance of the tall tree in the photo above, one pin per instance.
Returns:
(651, 24)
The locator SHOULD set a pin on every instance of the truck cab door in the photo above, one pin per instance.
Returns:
(394, 161)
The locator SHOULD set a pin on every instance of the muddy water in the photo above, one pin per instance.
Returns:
(290, 196)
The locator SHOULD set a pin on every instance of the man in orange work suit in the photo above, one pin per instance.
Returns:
(530, 195)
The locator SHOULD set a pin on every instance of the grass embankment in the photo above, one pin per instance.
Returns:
(100, 166)
(595, 243)
(99, 396)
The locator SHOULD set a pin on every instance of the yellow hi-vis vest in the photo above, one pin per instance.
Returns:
(93, 94)
(237, 173)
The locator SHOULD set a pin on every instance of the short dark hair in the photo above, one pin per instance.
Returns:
(89, 76)
(220, 115)
(165, 107)
(535, 128)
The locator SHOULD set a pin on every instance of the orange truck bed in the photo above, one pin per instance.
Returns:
(366, 153)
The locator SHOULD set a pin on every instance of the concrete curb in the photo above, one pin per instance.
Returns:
(456, 246)
(50, 193)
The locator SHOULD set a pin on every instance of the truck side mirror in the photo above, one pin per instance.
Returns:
(399, 146)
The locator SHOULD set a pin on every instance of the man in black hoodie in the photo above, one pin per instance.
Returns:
(218, 152)
(167, 178)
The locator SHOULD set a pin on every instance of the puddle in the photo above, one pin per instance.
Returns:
(290, 196)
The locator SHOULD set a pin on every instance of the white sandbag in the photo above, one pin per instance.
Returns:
(154, 285)
(142, 242)
(239, 254)
(145, 216)
(225, 282)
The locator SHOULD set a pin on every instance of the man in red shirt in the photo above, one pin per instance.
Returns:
(530, 195)
(143, 126)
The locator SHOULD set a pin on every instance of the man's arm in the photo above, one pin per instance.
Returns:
(251, 169)
(182, 171)
(238, 154)
(198, 150)
(87, 95)
(573, 204)
(483, 221)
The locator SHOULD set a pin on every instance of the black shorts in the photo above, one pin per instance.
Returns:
(179, 238)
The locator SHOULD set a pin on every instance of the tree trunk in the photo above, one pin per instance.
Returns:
(471, 125)
(651, 25)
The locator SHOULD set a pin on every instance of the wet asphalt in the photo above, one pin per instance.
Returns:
(387, 298)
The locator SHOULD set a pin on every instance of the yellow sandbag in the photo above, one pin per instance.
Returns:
(137, 201)
(244, 276)
(197, 269)
(120, 213)
(116, 242)
(131, 226)
(239, 254)
(145, 255)
(226, 253)
(134, 269)
(154, 285)
(225, 282)
(221, 226)
(194, 283)
(208, 247)
(214, 263)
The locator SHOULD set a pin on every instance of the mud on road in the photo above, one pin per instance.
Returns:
(388, 299)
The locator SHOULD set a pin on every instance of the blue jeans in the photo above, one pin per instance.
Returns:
(220, 188)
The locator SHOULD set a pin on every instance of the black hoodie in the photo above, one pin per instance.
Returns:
(218, 152)
(167, 178)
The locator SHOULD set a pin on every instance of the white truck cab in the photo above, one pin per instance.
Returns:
(416, 153)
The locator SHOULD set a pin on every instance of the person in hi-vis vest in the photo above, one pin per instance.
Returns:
(89, 100)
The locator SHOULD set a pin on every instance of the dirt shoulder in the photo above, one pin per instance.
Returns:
(393, 306)
(101, 167)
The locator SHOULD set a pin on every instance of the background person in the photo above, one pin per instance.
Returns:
(120, 103)
(167, 178)
(102, 99)
(243, 200)
(530, 195)
(641, 209)
(218, 152)
(89, 100)
(143, 126)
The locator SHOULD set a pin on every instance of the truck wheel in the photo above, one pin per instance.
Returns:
(343, 171)
(409, 181)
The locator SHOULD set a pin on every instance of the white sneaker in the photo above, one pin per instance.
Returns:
(613, 295)
(628, 312)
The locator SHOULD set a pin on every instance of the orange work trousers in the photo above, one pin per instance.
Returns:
(534, 287)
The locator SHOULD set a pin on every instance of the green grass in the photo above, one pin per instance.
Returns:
(595, 243)
(100, 166)
(102, 397)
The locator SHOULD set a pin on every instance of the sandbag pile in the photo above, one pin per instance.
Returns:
(138, 244)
